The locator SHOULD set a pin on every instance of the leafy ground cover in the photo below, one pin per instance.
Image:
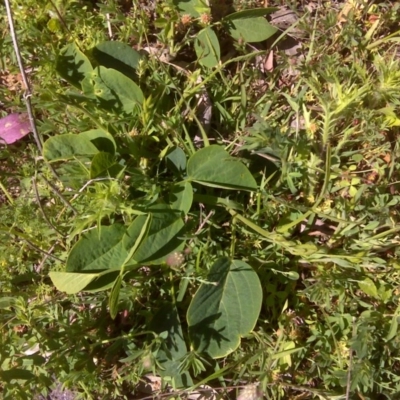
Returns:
(211, 209)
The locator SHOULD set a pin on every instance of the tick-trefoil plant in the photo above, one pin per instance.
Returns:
(209, 222)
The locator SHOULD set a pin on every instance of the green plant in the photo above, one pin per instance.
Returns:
(195, 217)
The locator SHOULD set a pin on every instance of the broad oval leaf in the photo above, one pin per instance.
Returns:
(213, 166)
(71, 282)
(103, 281)
(176, 160)
(163, 237)
(113, 90)
(135, 234)
(117, 55)
(225, 308)
(181, 197)
(192, 7)
(253, 29)
(99, 249)
(75, 282)
(66, 147)
(73, 65)
(101, 139)
(104, 164)
(74, 173)
(207, 48)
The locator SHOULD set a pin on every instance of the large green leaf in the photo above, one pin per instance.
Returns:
(192, 7)
(66, 147)
(113, 90)
(207, 48)
(163, 238)
(117, 55)
(166, 323)
(213, 166)
(103, 281)
(181, 197)
(101, 139)
(95, 261)
(249, 28)
(111, 247)
(75, 282)
(73, 65)
(175, 160)
(134, 232)
(225, 308)
(99, 249)
(71, 282)
(104, 164)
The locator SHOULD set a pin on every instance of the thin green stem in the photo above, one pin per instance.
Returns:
(7, 194)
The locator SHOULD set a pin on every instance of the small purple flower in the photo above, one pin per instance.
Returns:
(175, 260)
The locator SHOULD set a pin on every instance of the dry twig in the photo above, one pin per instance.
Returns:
(27, 95)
